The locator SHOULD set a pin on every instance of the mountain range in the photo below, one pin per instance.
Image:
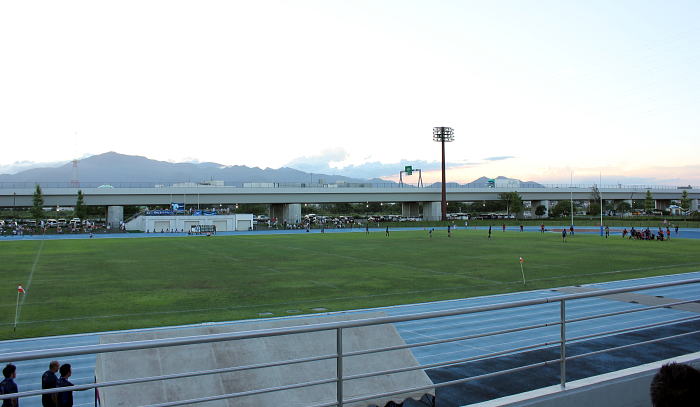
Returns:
(120, 169)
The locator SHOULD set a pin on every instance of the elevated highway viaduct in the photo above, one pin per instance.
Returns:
(286, 202)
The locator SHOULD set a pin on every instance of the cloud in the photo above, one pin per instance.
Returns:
(499, 158)
(652, 175)
(331, 162)
(320, 162)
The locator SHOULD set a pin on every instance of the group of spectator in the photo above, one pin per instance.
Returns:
(15, 229)
(49, 380)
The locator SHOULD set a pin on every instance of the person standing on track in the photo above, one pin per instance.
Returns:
(607, 231)
(387, 231)
(8, 386)
(563, 235)
(521, 228)
(489, 232)
(542, 228)
(367, 227)
(49, 381)
(65, 398)
(504, 227)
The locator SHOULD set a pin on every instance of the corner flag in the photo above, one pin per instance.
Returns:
(521, 269)
(521, 260)
(20, 290)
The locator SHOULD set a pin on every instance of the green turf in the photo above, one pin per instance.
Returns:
(105, 284)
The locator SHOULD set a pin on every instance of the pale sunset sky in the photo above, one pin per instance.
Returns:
(535, 90)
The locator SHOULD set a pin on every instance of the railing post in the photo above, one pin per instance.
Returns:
(562, 346)
(339, 366)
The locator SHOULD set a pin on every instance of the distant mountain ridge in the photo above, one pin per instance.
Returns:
(122, 169)
(113, 167)
(483, 182)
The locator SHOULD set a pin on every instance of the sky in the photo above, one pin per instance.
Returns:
(536, 90)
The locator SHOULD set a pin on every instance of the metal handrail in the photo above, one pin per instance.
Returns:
(192, 340)
(339, 354)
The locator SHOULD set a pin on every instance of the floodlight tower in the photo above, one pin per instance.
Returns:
(443, 135)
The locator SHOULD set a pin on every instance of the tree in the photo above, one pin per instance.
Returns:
(540, 210)
(594, 205)
(80, 210)
(513, 202)
(486, 206)
(342, 208)
(608, 205)
(624, 207)
(562, 208)
(685, 201)
(649, 203)
(38, 204)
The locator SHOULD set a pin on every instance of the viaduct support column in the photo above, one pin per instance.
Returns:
(694, 204)
(432, 210)
(290, 213)
(115, 215)
(661, 204)
(410, 209)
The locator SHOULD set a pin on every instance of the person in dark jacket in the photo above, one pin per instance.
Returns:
(49, 381)
(8, 386)
(65, 398)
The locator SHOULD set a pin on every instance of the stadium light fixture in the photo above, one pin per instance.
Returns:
(443, 135)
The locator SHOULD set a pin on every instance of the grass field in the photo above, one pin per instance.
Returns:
(105, 284)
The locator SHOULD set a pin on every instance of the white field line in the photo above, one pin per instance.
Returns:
(28, 285)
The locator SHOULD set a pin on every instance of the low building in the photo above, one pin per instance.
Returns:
(185, 223)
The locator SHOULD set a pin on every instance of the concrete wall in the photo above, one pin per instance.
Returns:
(246, 352)
(223, 223)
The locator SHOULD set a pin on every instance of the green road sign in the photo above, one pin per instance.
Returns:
(409, 169)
